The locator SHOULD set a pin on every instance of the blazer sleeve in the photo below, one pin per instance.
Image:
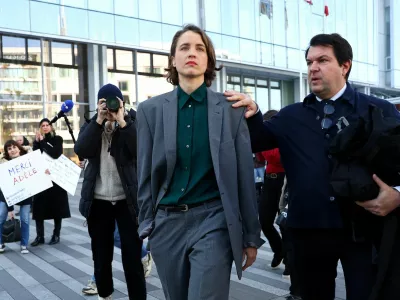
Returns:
(247, 192)
(88, 140)
(145, 149)
(53, 147)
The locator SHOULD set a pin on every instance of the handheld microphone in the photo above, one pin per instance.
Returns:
(65, 107)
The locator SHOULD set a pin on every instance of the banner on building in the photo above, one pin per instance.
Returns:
(24, 177)
(63, 172)
(266, 8)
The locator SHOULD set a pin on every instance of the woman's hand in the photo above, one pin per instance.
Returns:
(11, 215)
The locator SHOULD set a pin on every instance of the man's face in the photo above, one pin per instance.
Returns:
(19, 140)
(325, 76)
(190, 57)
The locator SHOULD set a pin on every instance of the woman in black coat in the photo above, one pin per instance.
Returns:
(53, 202)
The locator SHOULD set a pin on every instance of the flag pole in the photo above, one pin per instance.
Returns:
(300, 54)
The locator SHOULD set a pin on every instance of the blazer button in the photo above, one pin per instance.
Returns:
(165, 188)
(332, 198)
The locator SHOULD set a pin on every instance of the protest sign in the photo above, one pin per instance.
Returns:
(63, 172)
(24, 177)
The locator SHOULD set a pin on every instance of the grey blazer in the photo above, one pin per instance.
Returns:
(231, 155)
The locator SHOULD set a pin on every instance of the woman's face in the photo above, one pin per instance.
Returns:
(13, 151)
(45, 127)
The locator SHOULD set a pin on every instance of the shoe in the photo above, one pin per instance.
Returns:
(91, 288)
(276, 261)
(286, 273)
(106, 298)
(24, 250)
(39, 240)
(147, 263)
(2, 248)
(54, 240)
(293, 297)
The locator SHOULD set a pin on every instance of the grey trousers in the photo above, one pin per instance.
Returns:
(192, 253)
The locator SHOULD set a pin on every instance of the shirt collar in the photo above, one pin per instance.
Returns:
(198, 95)
(337, 96)
(347, 93)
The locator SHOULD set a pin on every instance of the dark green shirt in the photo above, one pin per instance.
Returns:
(194, 179)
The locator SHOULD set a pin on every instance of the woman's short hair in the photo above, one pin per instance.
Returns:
(11, 143)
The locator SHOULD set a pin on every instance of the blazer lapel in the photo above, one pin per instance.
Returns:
(214, 127)
(170, 120)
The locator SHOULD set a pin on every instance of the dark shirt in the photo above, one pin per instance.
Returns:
(194, 179)
(303, 145)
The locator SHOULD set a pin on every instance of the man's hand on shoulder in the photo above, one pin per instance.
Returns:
(388, 199)
(243, 100)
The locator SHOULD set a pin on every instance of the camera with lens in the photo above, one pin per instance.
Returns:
(112, 103)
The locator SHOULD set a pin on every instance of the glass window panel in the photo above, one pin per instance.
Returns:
(124, 60)
(317, 7)
(306, 25)
(292, 29)
(396, 39)
(213, 15)
(60, 81)
(248, 50)
(340, 17)
(126, 7)
(371, 44)
(262, 83)
(61, 53)
(293, 59)
(250, 90)
(249, 81)
(13, 48)
(49, 24)
(354, 71)
(52, 1)
(101, 26)
(160, 62)
(171, 11)
(76, 3)
(274, 84)
(150, 10)
(127, 83)
(150, 34)
(143, 62)
(362, 54)
(246, 18)
(373, 74)
(152, 86)
(46, 51)
(73, 27)
(264, 26)
(110, 58)
(266, 54)
(168, 32)
(279, 23)
(363, 72)
(230, 17)
(276, 99)
(126, 30)
(262, 99)
(217, 42)
(15, 16)
(230, 47)
(101, 5)
(190, 12)
(396, 79)
(19, 118)
(280, 56)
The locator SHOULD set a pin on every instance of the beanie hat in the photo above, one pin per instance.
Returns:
(44, 120)
(109, 90)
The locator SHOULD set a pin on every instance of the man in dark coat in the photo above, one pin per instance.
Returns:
(109, 191)
(324, 229)
(53, 202)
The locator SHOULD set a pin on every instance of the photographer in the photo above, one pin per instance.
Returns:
(109, 191)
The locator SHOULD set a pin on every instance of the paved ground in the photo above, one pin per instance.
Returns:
(60, 271)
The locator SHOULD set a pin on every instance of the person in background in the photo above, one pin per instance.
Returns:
(259, 173)
(109, 191)
(269, 202)
(14, 150)
(23, 141)
(53, 202)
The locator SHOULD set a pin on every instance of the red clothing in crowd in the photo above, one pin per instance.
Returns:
(273, 158)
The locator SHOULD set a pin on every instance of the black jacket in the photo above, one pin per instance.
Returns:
(123, 149)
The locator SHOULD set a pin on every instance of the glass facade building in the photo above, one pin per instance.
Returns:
(54, 50)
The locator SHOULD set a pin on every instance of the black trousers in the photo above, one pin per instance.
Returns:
(101, 224)
(316, 255)
(289, 261)
(40, 227)
(268, 209)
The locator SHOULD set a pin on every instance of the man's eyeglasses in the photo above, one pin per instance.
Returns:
(326, 122)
